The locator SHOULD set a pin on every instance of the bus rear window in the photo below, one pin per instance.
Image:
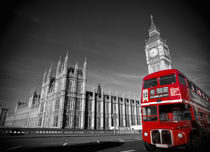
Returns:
(169, 79)
(150, 83)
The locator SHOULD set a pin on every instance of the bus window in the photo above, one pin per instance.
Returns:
(189, 84)
(196, 115)
(201, 116)
(150, 83)
(208, 119)
(150, 113)
(182, 80)
(174, 112)
(169, 79)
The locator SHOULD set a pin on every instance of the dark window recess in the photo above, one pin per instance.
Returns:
(150, 113)
(169, 79)
(182, 80)
(150, 83)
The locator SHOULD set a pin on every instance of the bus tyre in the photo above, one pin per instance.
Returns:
(149, 147)
(194, 144)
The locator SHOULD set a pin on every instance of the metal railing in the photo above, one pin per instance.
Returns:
(56, 131)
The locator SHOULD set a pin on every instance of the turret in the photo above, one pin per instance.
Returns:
(58, 70)
(99, 90)
(76, 69)
(85, 69)
(44, 78)
(49, 75)
(66, 62)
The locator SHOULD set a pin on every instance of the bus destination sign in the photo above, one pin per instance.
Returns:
(159, 92)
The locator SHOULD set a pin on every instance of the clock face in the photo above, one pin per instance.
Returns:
(153, 52)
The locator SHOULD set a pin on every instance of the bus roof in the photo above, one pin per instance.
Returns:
(162, 73)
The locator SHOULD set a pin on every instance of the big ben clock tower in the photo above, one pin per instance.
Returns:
(157, 52)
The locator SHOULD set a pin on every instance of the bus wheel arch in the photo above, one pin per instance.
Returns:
(149, 147)
(194, 141)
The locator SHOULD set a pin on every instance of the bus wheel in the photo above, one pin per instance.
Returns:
(194, 143)
(149, 147)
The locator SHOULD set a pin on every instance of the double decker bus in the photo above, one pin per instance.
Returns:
(175, 112)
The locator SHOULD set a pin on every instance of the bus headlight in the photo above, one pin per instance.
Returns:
(145, 134)
(180, 135)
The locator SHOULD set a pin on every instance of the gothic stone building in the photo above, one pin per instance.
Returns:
(64, 102)
(105, 110)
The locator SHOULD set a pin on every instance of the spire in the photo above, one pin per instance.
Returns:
(76, 65)
(49, 73)
(85, 69)
(99, 90)
(153, 30)
(58, 70)
(66, 62)
(44, 77)
(152, 26)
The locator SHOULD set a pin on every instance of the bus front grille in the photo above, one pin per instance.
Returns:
(161, 137)
(155, 137)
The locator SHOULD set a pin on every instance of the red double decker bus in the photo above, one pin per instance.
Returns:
(175, 112)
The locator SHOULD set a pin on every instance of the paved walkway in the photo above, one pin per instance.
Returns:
(62, 140)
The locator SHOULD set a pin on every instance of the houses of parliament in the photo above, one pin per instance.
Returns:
(64, 101)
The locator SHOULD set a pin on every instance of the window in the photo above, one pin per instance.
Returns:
(176, 112)
(169, 79)
(55, 121)
(79, 87)
(70, 84)
(208, 119)
(182, 80)
(196, 115)
(150, 83)
(201, 116)
(190, 85)
(40, 122)
(150, 113)
(78, 104)
(78, 121)
(42, 107)
(57, 103)
(90, 106)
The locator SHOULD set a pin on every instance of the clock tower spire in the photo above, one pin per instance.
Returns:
(157, 51)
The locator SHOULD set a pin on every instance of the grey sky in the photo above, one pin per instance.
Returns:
(111, 34)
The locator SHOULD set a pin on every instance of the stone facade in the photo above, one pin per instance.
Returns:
(105, 110)
(3, 115)
(64, 102)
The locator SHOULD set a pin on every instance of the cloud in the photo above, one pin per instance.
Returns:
(197, 70)
(25, 74)
(130, 76)
(28, 17)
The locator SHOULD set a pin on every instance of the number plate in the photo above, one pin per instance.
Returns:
(162, 145)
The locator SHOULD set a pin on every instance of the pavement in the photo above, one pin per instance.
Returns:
(61, 142)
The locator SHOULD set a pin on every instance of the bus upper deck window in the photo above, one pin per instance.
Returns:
(169, 79)
(150, 83)
(182, 80)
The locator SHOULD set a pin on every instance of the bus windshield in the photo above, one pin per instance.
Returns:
(150, 83)
(169, 79)
(174, 112)
(150, 113)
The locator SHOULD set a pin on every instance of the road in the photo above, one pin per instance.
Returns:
(111, 143)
